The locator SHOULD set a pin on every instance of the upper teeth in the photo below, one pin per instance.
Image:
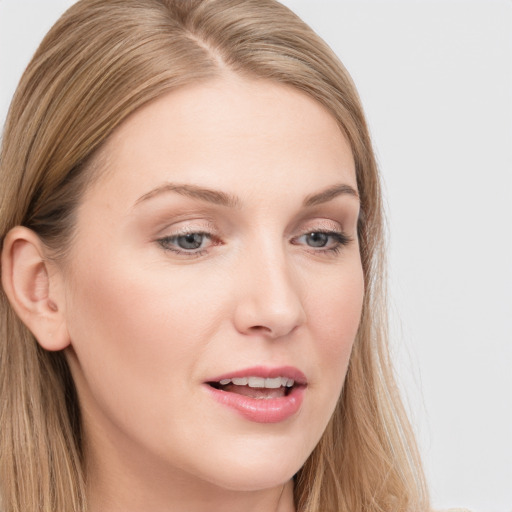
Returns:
(259, 382)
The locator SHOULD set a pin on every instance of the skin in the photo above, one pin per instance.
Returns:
(144, 327)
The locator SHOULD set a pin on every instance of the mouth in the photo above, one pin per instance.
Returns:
(259, 388)
(261, 394)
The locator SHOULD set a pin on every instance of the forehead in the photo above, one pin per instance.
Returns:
(230, 132)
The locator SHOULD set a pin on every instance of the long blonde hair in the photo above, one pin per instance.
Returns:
(99, 63)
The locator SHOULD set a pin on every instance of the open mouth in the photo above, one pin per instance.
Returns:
(261, 395)
(257, 387)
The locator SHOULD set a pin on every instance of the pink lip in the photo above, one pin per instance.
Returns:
(289, 372)
(272, 410)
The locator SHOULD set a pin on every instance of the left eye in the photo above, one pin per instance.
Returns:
(317, 239)
(324, 239)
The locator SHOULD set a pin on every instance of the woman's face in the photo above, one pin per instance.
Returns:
(216, 253)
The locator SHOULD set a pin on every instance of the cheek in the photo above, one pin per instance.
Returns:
(114, 317)
(122, 312)
(335, 310)
(137, 337)
(335, 313)
(138, 327)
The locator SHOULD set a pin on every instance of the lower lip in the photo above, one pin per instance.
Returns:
(264, 410)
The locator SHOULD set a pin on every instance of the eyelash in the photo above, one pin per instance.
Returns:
(168, 243)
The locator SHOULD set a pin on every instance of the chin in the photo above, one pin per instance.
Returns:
(262, 467)
(250, 478)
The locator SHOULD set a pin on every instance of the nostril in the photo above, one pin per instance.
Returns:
(260, 328)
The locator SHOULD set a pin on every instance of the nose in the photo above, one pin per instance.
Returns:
(269, 301)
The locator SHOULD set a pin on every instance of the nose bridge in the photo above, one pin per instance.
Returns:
(270, 300)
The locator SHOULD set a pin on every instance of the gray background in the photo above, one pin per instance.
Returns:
(436, 81)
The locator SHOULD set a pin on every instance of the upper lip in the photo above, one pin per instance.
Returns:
(266, 372)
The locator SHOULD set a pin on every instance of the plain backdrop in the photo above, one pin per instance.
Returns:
(435, 78)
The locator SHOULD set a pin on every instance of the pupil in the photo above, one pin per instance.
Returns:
(318, 239)
(191, 241)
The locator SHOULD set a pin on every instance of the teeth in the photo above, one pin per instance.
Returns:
(259, 382)
(273, 383)
(256, 382)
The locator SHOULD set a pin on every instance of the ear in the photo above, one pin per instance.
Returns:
(34, 288)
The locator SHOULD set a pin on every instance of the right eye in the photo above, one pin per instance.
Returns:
(186, 243)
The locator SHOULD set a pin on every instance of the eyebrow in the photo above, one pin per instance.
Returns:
(204, 194)
(329, 194)
(223, 199)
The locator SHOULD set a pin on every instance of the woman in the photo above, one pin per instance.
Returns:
(193, 307)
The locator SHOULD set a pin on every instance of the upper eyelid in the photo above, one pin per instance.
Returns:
(187, 226)
(210, 224)
(210, 218)
(324, 226)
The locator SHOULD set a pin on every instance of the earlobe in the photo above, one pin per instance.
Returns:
(32, 290)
